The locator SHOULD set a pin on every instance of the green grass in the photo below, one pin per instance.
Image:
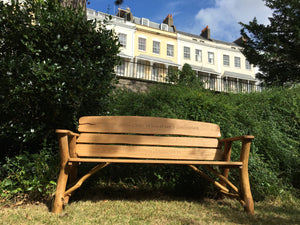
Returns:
(153, 209)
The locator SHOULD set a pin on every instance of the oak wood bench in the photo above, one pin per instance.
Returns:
(152, 140)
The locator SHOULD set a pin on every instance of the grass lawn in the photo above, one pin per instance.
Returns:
(151, 209)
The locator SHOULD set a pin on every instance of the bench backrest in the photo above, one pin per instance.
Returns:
(147, 138)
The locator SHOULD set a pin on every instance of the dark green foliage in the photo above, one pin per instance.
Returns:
(173, 75)
(275, 48)
(186, 76)
(29, 174)
(55, 66)
(271, 116)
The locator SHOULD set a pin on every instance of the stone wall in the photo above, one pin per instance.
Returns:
(134, 84)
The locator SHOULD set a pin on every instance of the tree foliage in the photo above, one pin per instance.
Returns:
(73, 3)
(275, 47)
(186, 76)
(55, 66)
(81, 3)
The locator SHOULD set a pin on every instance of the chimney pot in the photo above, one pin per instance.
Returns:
(168, 20)
(205, 32)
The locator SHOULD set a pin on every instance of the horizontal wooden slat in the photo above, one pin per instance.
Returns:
(119, 151)
(152, 161)
(147, 125)
(147, 140)
(239, 138)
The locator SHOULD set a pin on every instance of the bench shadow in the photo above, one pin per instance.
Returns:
(265, 214)
(125, 193)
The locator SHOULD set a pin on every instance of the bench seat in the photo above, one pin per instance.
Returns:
(151, 140)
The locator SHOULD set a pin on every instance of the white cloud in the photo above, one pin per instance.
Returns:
(172, 7)
(223, 18)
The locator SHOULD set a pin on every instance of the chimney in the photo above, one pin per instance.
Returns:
(169, 20)
(205, 32)
(126, 14)
(240, 41)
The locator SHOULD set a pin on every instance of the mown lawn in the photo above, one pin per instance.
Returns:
(159, 209)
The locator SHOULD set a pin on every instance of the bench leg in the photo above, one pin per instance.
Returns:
(72, 179)
(245, 192)
(60, 190)
(225, 171)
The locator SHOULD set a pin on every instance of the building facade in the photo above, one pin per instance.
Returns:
(155, 49)
(149, 49)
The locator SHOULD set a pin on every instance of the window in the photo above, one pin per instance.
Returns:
(170, 50)
(248, 66)
(226, 60)
(142, 44)
(211, 57)
(156, 47)
(237, 62)
(186, 52)
(122, 39)
(198, 55)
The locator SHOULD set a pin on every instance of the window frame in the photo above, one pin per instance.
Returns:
(186, 54)
(172, 50)
(121, 41)
(156, 47)
(247, 65)
(199, 51)
(142, 44)
(237, 62)
(227, 60)
(213, 57)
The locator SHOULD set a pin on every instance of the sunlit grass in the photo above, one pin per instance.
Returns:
(164, 210)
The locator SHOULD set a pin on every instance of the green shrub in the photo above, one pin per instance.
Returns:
(271, 116)
(28, 174)
(55, 66)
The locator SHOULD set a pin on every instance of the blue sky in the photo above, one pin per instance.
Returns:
(222, 16)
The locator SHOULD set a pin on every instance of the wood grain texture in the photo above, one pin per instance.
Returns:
(147, 125)
(147, 152)
(151, 140)
(159, 161)
(147, 140)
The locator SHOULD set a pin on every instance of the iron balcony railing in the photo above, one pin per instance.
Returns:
(156, 72)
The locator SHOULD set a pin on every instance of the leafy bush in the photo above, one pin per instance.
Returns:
(271, 116)
(55, 66)
(29, 174)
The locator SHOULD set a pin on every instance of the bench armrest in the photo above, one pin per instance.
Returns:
(67, 132)
(246, 142)
(239, 138)
(67, 143)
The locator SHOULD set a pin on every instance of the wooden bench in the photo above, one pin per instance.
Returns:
(151, 140)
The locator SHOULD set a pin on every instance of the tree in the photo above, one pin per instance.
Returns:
(55, 66)
(173, 75)
(81, 3)
(187, 75)
(74, 3)
(275, 47)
